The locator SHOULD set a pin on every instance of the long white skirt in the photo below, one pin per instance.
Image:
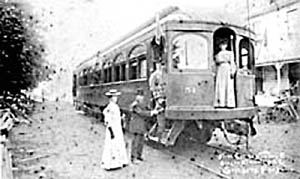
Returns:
(224, 87)
(114, 153)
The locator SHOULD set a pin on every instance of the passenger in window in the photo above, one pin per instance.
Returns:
(226, 68)
(157, 87)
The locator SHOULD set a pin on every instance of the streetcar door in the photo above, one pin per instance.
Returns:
(225, 62)
(245, 78)
(190, 82)
(243, 54)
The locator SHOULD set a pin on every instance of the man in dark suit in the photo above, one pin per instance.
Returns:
(139, 112)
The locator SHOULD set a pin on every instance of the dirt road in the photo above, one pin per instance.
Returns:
(62, 143)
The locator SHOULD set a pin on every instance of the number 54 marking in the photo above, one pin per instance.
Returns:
(190, 90)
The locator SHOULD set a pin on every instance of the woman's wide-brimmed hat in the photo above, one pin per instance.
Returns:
(113, 92)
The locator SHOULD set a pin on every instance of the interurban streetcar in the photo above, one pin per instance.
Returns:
(190, 73)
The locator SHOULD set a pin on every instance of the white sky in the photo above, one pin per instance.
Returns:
(81, 27)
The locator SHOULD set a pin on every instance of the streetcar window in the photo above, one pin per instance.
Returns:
(107, 72)
(107, 75)
(98, 77)
(89, 77)
(190, 51)
(133, 70)
(118, 68)
(143, 68)
(138, 68)
(117, 73)
(94, 77)
(81, 78)
(97, 74)
(123, 72)
(84, 77)
(74, 89)
(244, 57)
(246, 51)
(137, 63)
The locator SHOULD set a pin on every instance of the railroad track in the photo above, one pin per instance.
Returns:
(214, 167)
(194, 161)
(197, 164)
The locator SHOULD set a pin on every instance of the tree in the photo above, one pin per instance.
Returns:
(22, 65)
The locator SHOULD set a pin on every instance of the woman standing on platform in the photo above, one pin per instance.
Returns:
(114, 154)
(225, 96)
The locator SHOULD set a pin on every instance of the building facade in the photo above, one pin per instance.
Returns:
(277, 51)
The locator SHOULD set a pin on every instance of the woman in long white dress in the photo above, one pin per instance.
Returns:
(114, 152)
(224, 96)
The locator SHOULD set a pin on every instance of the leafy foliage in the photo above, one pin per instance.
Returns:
(22, 64)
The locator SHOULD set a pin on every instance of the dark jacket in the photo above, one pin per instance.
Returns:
(139, 113)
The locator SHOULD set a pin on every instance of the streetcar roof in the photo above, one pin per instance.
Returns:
(174, 13)
(86, 63)
(187, 14)
(216, 15)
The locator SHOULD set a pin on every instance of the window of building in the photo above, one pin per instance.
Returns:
(120, 68)
(137, 62)
(190, 51)
(261, 31)
(292, 17)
